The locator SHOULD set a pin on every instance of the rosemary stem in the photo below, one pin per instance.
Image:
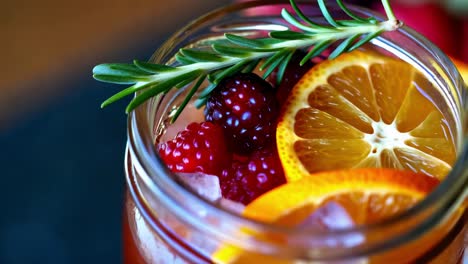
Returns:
(222, 59)
(338, 33)
(388, 10)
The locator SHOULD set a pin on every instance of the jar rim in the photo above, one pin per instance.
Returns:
(141, 147)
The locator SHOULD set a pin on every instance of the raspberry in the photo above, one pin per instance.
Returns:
(198, 148)
(247, 179)
(245, 106)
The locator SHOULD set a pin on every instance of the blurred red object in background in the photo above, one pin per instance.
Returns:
(464, 41)
(432, 21)
(430, 18)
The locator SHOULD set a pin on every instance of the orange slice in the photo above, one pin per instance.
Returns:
(334, 200)
(462, 68)
(363, 109)
(368, 195)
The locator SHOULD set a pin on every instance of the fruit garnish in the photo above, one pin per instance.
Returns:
(368, 195)
(249, 178)
(333, 200)
(363, 110)
(244, 105)
(462, 68)
(234, 53)
(198, 148)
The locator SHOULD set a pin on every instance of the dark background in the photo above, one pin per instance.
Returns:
(61, 156)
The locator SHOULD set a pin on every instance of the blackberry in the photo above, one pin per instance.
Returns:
(246, 107)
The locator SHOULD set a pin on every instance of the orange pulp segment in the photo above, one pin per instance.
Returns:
(362, 110)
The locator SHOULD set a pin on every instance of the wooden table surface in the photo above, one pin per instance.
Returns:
(44, 42)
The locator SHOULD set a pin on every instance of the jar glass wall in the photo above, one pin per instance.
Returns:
(166, 223)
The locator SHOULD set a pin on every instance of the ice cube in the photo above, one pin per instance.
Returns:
(330, 216)
(205, 185)
(333, 216)
(208, 186)
(232, 206)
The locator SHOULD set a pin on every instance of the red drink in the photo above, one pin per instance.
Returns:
(166, 222)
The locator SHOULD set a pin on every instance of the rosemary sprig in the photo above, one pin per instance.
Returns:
(236, 53)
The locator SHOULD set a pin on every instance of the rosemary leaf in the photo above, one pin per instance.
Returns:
(186, 82)
(183, 60)
(152, 68)
(200, 102)
(230, 71)
(326, 14)
(365, 39)
(343, 46)
(206, 92)
(288, 34)
(121, 69)
(373, 21)
(212, 76)
(282, 68)
(251, 66)
(317, 50)
(267, 44)
(302, 16)
(118, 96)
(244, 42)
(277, 56)
(274, 64)
(201, 56)
(159, 88)
(350, 13)
(120, 79)
(231, 51)
(128, 91)
(293, 21)
(188, 97)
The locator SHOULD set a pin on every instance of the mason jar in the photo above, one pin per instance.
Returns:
(167, 223)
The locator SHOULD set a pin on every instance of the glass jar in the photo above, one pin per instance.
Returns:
(166, 223)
